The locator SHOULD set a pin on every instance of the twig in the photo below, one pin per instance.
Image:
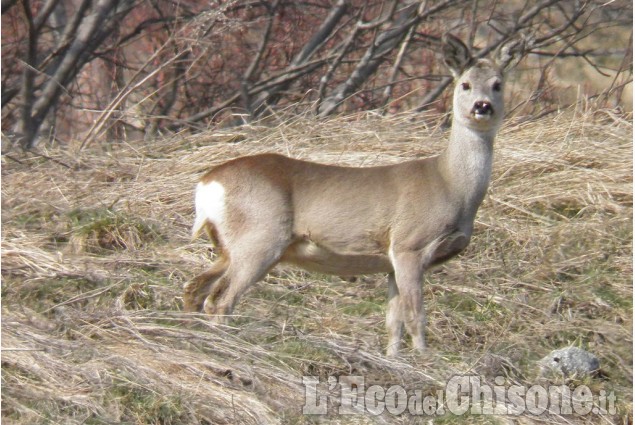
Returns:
(395, 68)
(57, 161)
(84, 296)
(328, 75)
(100, 121)
(249, 72)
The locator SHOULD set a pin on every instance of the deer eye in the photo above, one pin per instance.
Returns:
(496, 86)
(466, 86)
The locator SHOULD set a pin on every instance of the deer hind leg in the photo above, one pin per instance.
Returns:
(251, 258)
(226, 292)
(199, 288)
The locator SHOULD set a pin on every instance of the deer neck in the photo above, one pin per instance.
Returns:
(466, 165)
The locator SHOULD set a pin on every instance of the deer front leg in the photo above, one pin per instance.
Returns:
(406, 306)
(408, 279)
(394, 323)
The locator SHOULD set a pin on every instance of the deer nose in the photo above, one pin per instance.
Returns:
(483, 107)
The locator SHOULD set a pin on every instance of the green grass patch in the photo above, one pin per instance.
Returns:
(611, 296)
(140, 404)
(306, 358)
(103, 230)
(470, 307)
(43, 294)
(363, 308)
(35, 218)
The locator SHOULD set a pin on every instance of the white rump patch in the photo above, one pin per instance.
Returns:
(210, 205)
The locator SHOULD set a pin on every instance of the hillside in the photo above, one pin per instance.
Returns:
(96, 249)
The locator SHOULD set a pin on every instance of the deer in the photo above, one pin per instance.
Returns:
(399, 219)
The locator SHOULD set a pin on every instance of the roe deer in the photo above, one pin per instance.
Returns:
(397, 219)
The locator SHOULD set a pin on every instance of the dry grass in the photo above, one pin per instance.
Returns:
(94, 258)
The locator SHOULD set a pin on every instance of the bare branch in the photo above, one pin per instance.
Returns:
(46, 11)
(256, 60)
(253, 55)
(7, 5)
(433, 94)
(395, 68)
(318, 38)
(90, 32)
(409, 17)
(322, 34)
(26, 128)
(99, 123)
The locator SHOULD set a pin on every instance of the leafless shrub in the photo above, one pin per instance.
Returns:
(119, 69)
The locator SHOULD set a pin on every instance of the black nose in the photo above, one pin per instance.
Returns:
(483, 107)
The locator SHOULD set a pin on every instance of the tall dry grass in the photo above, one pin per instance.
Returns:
(95, 250)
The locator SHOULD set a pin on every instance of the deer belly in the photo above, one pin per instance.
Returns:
(313, 257)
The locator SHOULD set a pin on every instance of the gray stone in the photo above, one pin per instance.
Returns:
(570, 361)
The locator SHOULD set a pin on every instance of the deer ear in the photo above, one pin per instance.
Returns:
(511, 52)
(456, 55)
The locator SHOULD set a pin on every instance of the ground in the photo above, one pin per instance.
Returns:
(96, 249)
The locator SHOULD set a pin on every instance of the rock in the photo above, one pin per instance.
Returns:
(570, 361)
